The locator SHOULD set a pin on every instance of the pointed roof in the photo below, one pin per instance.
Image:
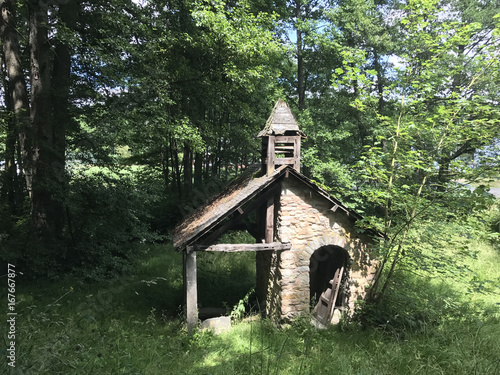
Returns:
(281, 121)
(216, 209)
(241, 192)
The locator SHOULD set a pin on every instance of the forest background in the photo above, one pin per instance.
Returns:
(118, 117)
(116, 114)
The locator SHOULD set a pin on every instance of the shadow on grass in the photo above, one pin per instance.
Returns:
(225, 278)
(156, 282)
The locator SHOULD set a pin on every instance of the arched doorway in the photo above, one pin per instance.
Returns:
(327, 272)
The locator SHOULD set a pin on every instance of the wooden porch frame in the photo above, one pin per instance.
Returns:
(189, 258)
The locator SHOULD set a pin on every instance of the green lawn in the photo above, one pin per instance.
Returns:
(133, 325)
(494, 183)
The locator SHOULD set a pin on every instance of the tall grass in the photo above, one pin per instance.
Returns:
(133, 325)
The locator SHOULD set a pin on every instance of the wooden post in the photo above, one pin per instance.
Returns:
(191, 289)
(296, 164)
(270, 155)
(269, 235)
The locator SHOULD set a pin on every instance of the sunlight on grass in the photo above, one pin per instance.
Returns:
(133, 325)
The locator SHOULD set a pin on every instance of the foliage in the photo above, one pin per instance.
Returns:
(443, 114)
(183, 88)
(227, 279)
(107, 214)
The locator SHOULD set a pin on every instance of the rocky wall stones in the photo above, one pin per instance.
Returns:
(305, 219)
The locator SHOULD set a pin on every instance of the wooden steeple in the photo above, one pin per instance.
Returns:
(281, 139)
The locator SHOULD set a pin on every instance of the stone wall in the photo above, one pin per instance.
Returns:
(306, 220)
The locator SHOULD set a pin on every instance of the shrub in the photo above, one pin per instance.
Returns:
(106, 217)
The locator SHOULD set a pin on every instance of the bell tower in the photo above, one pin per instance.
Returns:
(281, 139)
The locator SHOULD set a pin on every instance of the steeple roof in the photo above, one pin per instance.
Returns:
(281, 122)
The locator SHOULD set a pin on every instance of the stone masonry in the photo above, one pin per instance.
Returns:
(305, 219)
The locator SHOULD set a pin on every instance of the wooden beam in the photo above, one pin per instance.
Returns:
(269, 234)
(283, 161)
(297, 154)
(231, 248)
(270, 157)
(191, 289)
(286, 138)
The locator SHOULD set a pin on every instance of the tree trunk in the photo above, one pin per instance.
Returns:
(165, 167)
(175, 160)
(187, 162)
(380, 81)
(61, 74)
(16, 100)
(43, 197)
(198, 169)
(8, 192)
(301, 87)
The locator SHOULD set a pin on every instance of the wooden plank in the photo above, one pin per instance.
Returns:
(287, 138)
(325, 306)
(263, 160)
(269, 235)
(283, 161)
(191, 289)
(338, 280)
(297, 154)
(231, 248)
(270, 155)
(237, 218)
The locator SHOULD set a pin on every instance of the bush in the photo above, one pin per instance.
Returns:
(106, 217)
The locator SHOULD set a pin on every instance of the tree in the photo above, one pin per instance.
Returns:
(443, 112)
(38, 116)
(213, 72)
(358, 32)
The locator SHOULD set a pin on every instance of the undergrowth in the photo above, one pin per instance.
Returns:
(133, 324)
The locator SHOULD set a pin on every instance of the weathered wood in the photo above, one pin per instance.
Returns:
(269, 235)
(286, 138)
(283, 161)
(338, 280)
(240, 216)
(323, 311)
(284, 149)
(231, 248)
(270, 155)
(191, 289)
(296, 154)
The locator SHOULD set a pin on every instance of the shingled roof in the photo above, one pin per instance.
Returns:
(221, 206)
(281, 121)
(242, 191)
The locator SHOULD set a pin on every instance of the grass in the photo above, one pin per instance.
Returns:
(492, 182)
(133, 325)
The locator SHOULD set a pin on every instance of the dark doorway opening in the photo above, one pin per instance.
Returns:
(327, 274)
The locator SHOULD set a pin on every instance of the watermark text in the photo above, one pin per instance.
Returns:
(11, 315)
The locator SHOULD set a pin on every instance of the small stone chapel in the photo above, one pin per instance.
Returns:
(310, 258)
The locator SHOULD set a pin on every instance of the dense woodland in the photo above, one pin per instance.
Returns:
(120, 116)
